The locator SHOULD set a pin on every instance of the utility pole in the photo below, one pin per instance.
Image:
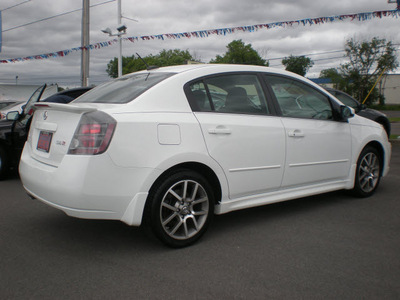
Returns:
(85, 44)
(119, 22)
(121, 30)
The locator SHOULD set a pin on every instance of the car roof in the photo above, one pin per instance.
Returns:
(198, 70)
(215, 68)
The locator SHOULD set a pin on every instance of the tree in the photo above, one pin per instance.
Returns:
(239, 53)
(297, 64)
(336, 78)
(368, 60)
(163, 59)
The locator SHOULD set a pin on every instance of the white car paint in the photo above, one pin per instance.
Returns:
(257, 159)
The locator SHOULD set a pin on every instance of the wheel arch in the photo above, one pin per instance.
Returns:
(200, 168)
(385, 123)
(378, 146)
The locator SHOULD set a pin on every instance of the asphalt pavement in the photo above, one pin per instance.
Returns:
(331, 246)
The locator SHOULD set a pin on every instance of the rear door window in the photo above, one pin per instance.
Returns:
(233, 93)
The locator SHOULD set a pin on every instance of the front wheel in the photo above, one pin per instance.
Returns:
(368, 173)
(180, 208)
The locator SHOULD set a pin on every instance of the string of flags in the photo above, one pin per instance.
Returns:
(221, 31)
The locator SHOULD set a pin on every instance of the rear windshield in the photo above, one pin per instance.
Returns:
(124, 89)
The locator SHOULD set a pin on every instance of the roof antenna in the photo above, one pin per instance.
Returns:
(148, 68)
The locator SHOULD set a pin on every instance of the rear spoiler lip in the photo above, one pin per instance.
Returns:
(63, 107)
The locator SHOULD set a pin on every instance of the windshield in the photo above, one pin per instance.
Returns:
(6, 105)
(124, 89)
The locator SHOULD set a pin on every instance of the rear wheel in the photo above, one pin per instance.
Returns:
(180, 208)
(368, 173)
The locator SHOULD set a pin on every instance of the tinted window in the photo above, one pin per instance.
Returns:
(346, 100)
(236, 93)
(75, 93)
(198, 98)
(124, 89)
(299, 100)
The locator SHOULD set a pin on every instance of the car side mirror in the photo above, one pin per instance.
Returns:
(12, 115)
(346, 112)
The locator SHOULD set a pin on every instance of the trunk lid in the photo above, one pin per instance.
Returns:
(52, 130)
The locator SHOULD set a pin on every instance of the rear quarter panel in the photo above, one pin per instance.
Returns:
(138, 143)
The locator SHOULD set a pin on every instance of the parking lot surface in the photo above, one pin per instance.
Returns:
(331, 246)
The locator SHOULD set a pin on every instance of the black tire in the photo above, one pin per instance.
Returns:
(368, 173)
(180, 208)
(3, 163)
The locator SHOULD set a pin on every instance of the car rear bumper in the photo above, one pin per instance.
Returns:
(90, 187)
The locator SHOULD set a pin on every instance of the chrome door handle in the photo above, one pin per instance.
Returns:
(295, 133)
(219, 130)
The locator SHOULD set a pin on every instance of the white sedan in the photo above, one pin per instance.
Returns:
(171, 147)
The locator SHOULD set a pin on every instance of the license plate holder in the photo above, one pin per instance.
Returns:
(44, 141)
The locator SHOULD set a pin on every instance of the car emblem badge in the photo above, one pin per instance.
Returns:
(45, 114)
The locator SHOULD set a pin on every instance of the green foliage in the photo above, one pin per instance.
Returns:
(239, 53)
(367, 60)
(386, 107)
(334, 75)
(297, 64)
(331, 73)
(163, 59)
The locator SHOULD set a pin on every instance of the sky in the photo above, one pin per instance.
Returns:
(154, 17)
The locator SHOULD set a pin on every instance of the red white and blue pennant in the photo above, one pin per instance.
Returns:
(221, 31)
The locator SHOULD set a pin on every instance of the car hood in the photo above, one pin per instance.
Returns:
(362, 121)
(368, 112)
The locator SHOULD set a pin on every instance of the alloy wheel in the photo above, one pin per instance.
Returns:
(369, 172)
(184, 209)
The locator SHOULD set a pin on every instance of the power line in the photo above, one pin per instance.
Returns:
(15, 5)
(319, 53)
(322, 53)
(52, 17)
(310, 54)
(327, 58)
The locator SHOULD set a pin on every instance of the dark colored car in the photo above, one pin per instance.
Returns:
(7, 103)
(15, 127)
(361, 109)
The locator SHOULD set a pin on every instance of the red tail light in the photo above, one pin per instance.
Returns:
(91, 129)
(93, 134)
